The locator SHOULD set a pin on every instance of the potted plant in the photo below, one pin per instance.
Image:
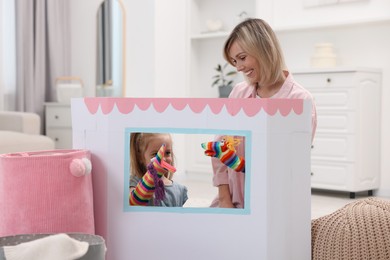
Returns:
(223, 80)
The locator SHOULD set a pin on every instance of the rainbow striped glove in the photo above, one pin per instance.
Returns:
(227, 156)
(151, 182)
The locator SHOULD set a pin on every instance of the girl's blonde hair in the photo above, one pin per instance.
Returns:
(257, 38)
(138, 145)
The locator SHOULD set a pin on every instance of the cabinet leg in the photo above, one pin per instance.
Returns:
(370, 193)
(352, 195)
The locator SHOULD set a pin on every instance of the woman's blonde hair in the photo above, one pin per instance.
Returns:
(138, 145)
(257, 38)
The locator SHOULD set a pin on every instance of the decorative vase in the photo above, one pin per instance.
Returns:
(324, 56)
(224, 91)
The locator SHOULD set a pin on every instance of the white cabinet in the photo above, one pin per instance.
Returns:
(59, 124)
(346, 148)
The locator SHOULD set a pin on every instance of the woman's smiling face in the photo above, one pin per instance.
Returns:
(245, 63)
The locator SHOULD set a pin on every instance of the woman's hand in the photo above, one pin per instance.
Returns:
(227, 156)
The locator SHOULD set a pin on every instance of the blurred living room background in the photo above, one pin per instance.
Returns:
(170, 48)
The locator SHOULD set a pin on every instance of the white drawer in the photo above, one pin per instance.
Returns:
(330, 176)
(58, 116)
(335, 99)
(336, 122)
(326, 80)
(345, 154)
(334, 147)
(61, 136)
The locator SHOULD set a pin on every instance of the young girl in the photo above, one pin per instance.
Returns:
(151, 160)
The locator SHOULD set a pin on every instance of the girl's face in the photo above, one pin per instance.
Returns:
(154, 144)
(245, 63)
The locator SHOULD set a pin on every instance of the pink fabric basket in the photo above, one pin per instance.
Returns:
(46, 192)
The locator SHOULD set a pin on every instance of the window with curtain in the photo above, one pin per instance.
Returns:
(35, 50)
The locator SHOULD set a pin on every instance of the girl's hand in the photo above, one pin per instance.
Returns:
(159, 164)
(151, 183)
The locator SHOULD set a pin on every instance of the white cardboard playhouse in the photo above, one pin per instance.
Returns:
(275, 223)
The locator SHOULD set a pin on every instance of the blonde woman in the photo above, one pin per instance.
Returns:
(253, 49)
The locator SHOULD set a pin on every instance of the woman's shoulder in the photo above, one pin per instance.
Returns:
(292, 89)
(300, 92)
(241, 90)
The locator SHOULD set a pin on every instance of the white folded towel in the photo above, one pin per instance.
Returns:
(59, 247)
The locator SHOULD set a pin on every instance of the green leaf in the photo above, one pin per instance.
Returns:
(221, 76)
(215, 82)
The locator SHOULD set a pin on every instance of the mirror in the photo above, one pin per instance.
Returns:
(193, 167)
(111, 49)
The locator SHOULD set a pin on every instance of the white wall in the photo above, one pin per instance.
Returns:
(171, 50)
(295, 14)
(7, 55)
(140, 54)
(1, 58)
(83, 41)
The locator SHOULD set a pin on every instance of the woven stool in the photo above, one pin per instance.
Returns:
(359, 230)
